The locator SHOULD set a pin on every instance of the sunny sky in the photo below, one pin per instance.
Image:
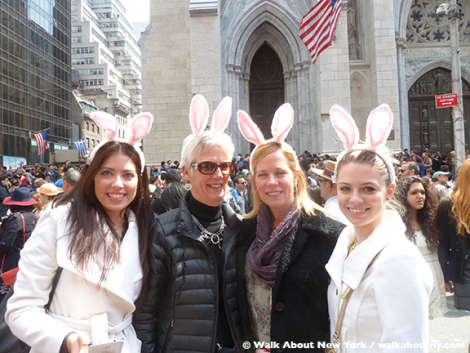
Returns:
(137, 10)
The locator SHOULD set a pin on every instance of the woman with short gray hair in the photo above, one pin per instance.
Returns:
(191, 282)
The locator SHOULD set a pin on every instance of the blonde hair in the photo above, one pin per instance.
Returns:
(461, 199)
(301, 199)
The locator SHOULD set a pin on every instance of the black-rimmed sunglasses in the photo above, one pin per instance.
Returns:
(209, 168)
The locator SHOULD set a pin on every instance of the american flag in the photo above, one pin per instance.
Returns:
(81, 147)
(318, 26)
(41, 141)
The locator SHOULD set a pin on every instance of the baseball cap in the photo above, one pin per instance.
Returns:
(436, 174)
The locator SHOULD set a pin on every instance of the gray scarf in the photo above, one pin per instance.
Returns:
(264, 253)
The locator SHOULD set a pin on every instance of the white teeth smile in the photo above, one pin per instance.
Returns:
(273, 193)
(356, 211)
(116, 196)
(216, 186)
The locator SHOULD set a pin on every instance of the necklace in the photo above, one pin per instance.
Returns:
(215, 238)
(352, 246)
(120, 224)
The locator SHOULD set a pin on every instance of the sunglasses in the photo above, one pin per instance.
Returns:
(243, 183)
(401, 170)
(209, 168)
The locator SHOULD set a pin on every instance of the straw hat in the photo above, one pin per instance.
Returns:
(21, 197)
(49, 189)
(326, 173)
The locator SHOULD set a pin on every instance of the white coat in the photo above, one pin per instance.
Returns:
(79, 304)
(388, 309)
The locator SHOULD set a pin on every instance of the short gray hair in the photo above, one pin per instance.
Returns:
(194, 145)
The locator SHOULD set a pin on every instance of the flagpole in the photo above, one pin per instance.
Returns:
(38, 131)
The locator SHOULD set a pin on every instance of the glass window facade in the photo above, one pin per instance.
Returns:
(35, 80)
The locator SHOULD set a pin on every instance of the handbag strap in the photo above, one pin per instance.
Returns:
(54, 287)
(345, 296)
(3, 261)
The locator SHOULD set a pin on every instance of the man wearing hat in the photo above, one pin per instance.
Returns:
(48, 193)
(439, 188)
(3, 194)
(329, 192)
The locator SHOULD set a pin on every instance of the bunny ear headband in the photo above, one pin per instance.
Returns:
(379, 125)
(137, 129)
(199, 116)
(281, 125)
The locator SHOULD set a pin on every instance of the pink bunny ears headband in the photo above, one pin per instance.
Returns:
(199, 116)
(137, 129)
(280, 127)
(379, 125)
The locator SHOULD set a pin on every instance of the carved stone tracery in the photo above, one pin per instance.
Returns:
(424, 26)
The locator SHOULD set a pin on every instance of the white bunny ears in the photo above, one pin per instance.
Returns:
(137, 129)
(379, 125)
(281, 125)
(199, 116)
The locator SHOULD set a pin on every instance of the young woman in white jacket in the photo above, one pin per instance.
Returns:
(388, 281)
(97, 233)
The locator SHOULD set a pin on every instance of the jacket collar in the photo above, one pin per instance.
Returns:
(351, 270)
(187, 227)
(122, 279)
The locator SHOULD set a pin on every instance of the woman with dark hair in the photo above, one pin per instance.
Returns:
(97, 235)
(419, 216)
(16, 230)
(453, 219)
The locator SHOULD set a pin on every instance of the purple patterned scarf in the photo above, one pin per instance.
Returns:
(265, 252)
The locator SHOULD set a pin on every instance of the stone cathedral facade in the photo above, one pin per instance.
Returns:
(384, 51)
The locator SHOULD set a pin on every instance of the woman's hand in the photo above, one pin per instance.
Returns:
(77, 343)
(449, 287)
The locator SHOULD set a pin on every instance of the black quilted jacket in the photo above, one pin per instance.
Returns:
(180, 312)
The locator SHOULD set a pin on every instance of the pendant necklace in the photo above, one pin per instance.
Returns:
(215, 238)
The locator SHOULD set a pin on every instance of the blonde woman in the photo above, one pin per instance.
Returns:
(453, 219)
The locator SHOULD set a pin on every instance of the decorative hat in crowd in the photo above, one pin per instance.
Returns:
(379, 125)
(20, 197)
(326, 173)
(137, 129)
(49, 189)
(280, 127)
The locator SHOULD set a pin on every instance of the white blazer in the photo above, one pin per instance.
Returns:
(79, 304)
(388, 309)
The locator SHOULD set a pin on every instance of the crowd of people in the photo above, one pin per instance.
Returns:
(235, 253)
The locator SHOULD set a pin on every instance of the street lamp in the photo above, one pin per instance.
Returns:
(450, 8)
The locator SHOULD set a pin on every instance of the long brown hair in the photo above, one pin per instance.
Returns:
(301, 198)
(461, 199)
(87, 217)
(426, 216)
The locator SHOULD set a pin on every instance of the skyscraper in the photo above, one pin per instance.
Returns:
(35, 90)
(105, 52)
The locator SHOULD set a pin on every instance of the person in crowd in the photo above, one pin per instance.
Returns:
(47, 193)
(67, 166)
(453, 221)
(172, 195)
(168, 165)
(240, 194)
(427, 161)
(408, 168)
(419, 162)
(98, 235)
(60, 181)
(15, 231)
(380, 283)
(7, 172)
(172, 176)
(52, 173)
(4, 193)
(314, 192)
(71, 178)
(419, 216)
(191, 282)
(439, 188)
(329, 191)
(281, 247)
